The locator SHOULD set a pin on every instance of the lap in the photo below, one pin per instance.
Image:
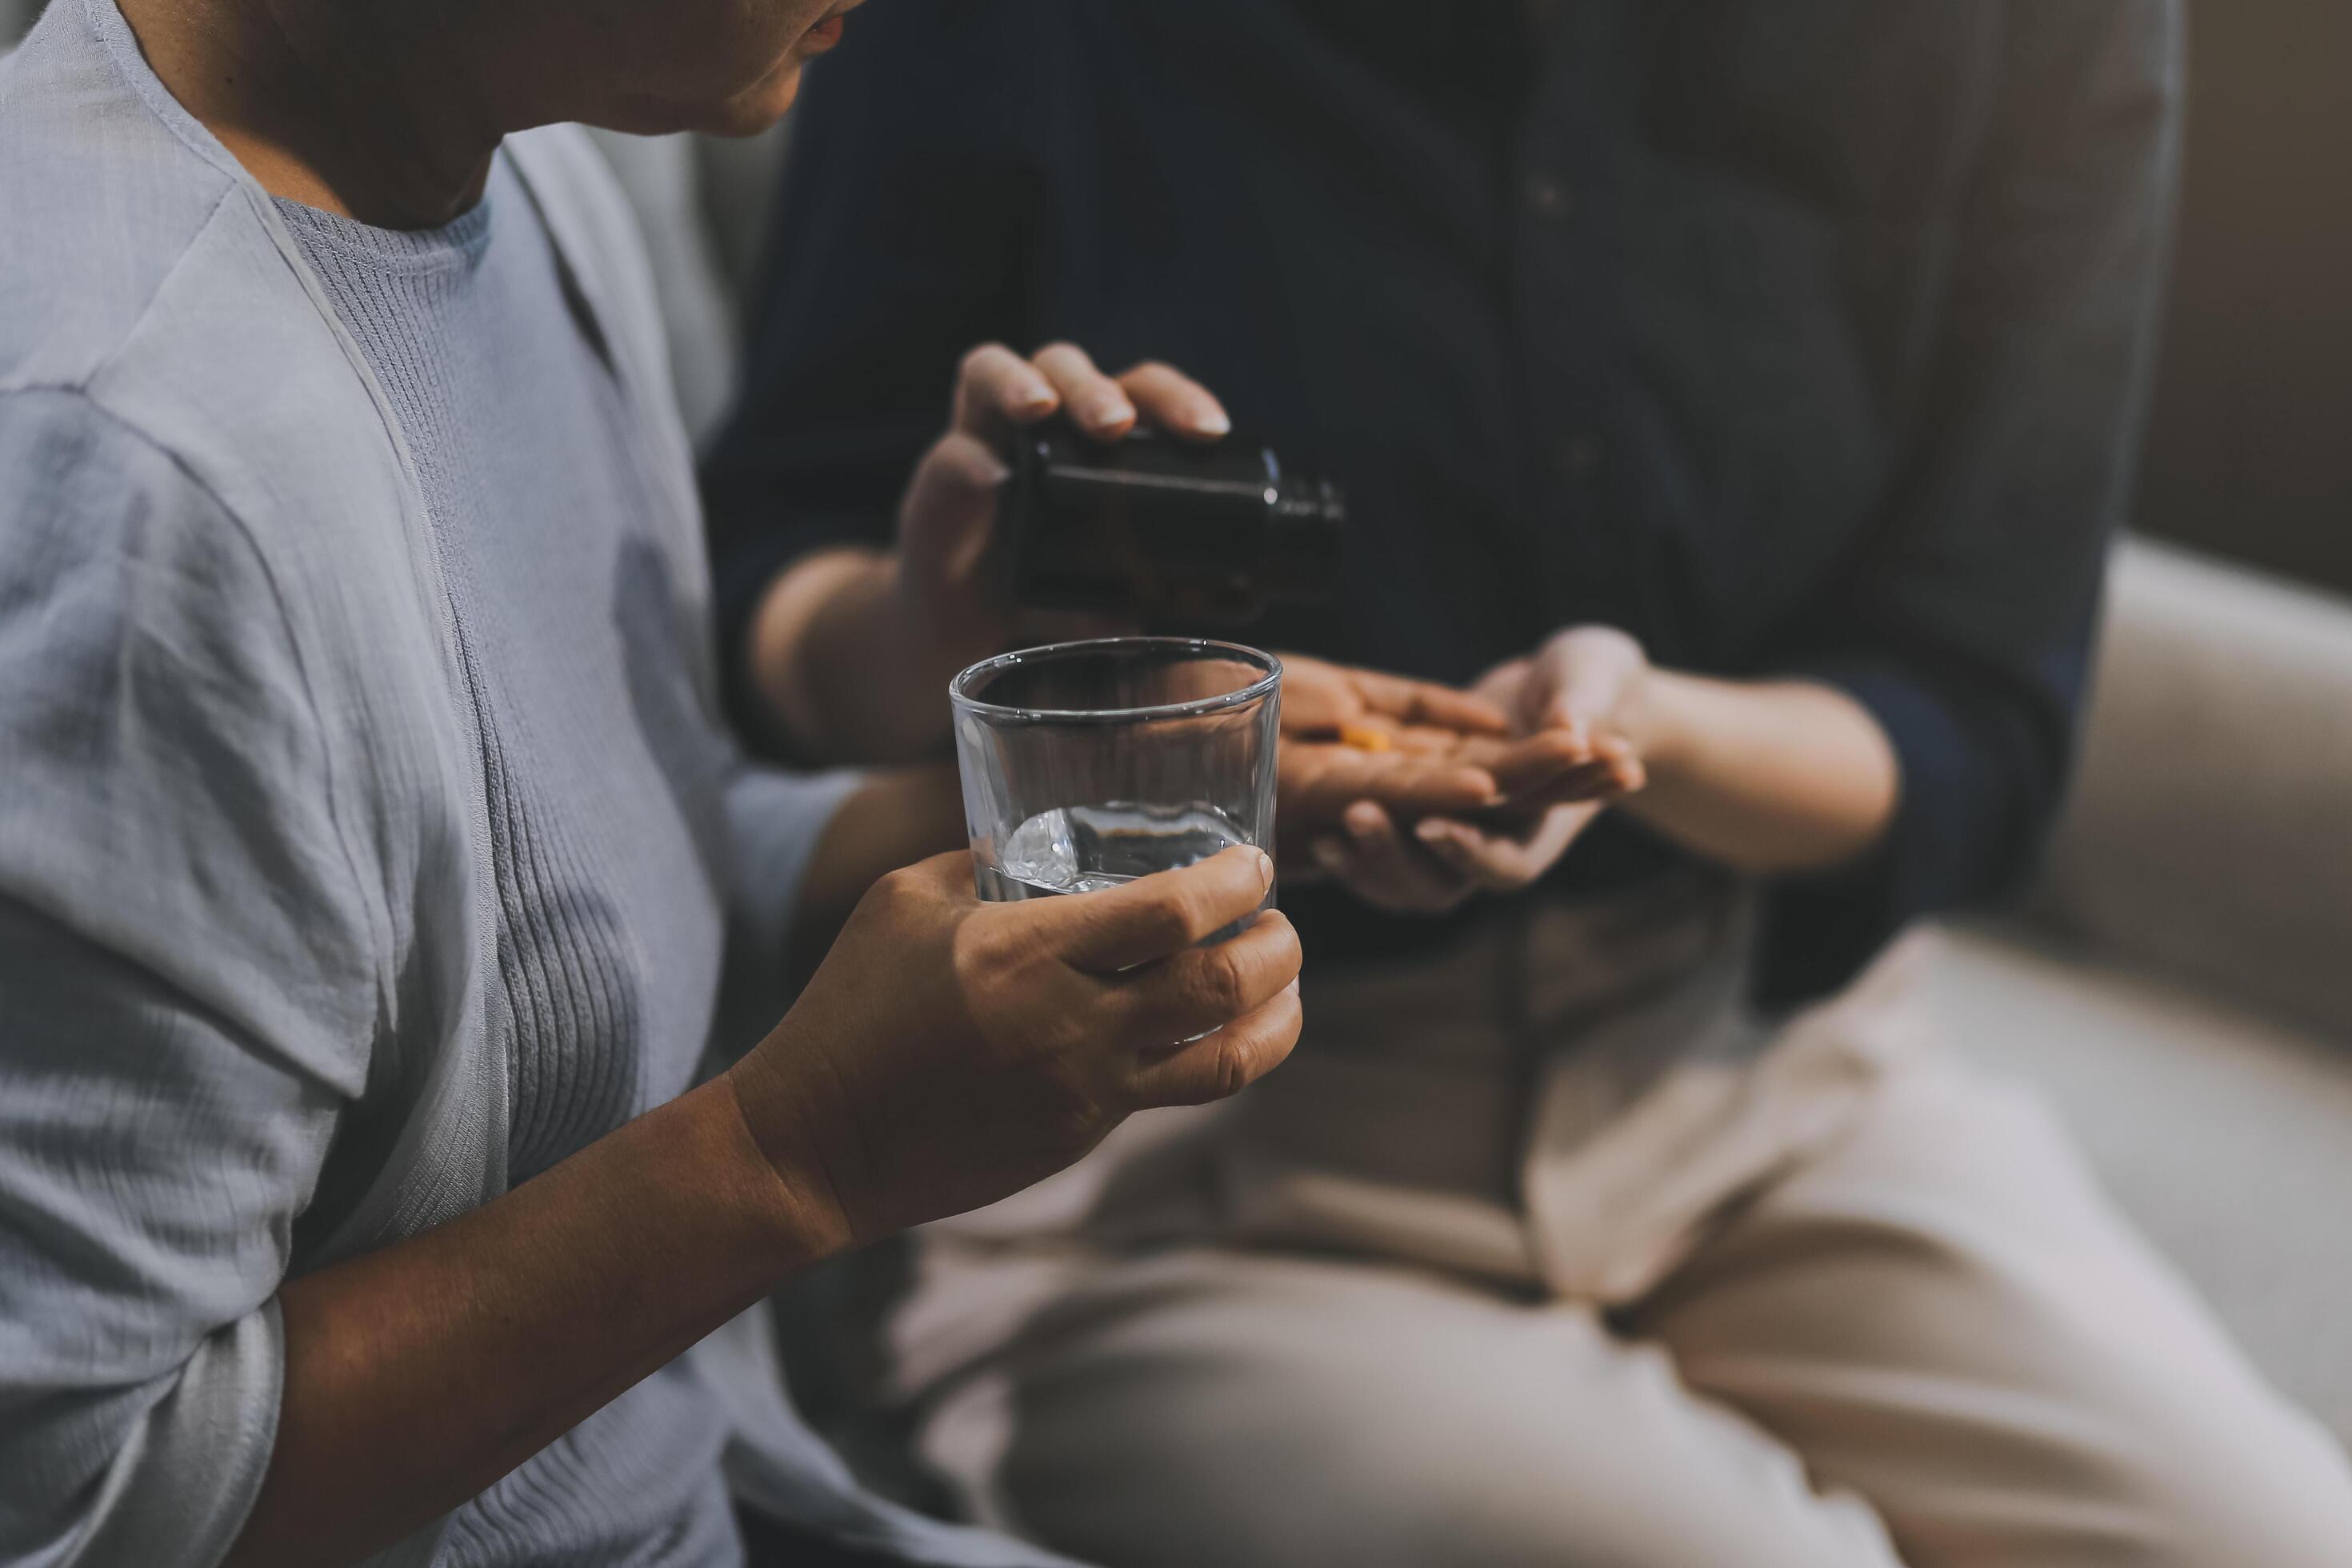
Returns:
(1939, 1314)
(1942, 1312)
(1248, 1409)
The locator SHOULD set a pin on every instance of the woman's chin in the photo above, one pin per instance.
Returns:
(757, 107)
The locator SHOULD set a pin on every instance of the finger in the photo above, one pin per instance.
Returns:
(1502, 862)
(1426, 702)
(1205, 988)
(1175, 402)
(1529, 765)
(1537, 701)
(947, 876)
(1095, 402)
(996, 390)
(1603, 779)
(1319, 781)
(1501, 685)
(1588, 689)
(1485, 859)
(1222, 1064)
(1385, 870)
(1495, 862)
(951, 505)
(1158, 916)
(1316, 697)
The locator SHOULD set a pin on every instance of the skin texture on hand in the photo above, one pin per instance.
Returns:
(1358, 746)
(951, 1052)
(1382, 823)
(854, 649)
(947, 1053)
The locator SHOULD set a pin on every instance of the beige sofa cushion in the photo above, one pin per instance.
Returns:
(2228, 1140)
(2211, 834)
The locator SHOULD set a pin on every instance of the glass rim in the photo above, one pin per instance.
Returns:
(1265, 686)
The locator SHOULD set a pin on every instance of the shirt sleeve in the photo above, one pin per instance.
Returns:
(187, 995)
(1966, 626)
(896, 247)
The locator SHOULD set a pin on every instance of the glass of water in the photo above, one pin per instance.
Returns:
(1088, 764)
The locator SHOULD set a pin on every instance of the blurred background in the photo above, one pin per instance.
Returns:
(2182, 981)
(2247, 455)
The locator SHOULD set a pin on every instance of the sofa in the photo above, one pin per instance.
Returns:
(2180, 983)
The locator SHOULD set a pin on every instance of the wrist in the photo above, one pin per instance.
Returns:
(1656, 720)
(776, 1169)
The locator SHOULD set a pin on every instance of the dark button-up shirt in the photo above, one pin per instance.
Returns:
(1798, 337)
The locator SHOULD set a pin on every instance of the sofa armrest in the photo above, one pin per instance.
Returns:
(2210, 830)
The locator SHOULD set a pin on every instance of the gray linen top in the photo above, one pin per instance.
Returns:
(366, 842)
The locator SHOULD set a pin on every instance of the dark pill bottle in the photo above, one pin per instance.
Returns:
(1160, 529)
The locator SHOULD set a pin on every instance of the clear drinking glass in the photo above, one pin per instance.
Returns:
(1088, 764)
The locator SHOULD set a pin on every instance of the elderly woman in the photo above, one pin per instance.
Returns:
(369, 852)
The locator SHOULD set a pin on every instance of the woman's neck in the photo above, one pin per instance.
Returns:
(360, 107)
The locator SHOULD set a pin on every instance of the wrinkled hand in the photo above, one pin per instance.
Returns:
(1564, 705)
(947, 517)
(949, 1052)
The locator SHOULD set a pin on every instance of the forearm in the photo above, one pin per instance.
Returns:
(839, 661)
(1767, 777)
(417, 1375)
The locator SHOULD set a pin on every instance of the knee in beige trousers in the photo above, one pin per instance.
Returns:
(1926, 1338)
(1936, 1347)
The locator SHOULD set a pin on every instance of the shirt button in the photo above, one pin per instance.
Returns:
(1547, 197)
(1582, 455)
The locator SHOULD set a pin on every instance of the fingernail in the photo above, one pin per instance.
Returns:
(1264, 869)
(1430, 831)
(1212, 422)
(1036, 397)
(1329, 856)
(1109, 411)
(1292, 986)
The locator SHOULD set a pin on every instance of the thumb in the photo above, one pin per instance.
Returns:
(1543, 701)
(1585, 677)
(950, 509)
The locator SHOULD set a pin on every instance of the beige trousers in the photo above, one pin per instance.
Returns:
(1540, 1252)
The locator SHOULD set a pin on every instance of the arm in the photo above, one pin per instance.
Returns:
(417, 1375)
(189, 999)
(1905, 750)
(1965, 626)
(947, 1053)
(1770, 777)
